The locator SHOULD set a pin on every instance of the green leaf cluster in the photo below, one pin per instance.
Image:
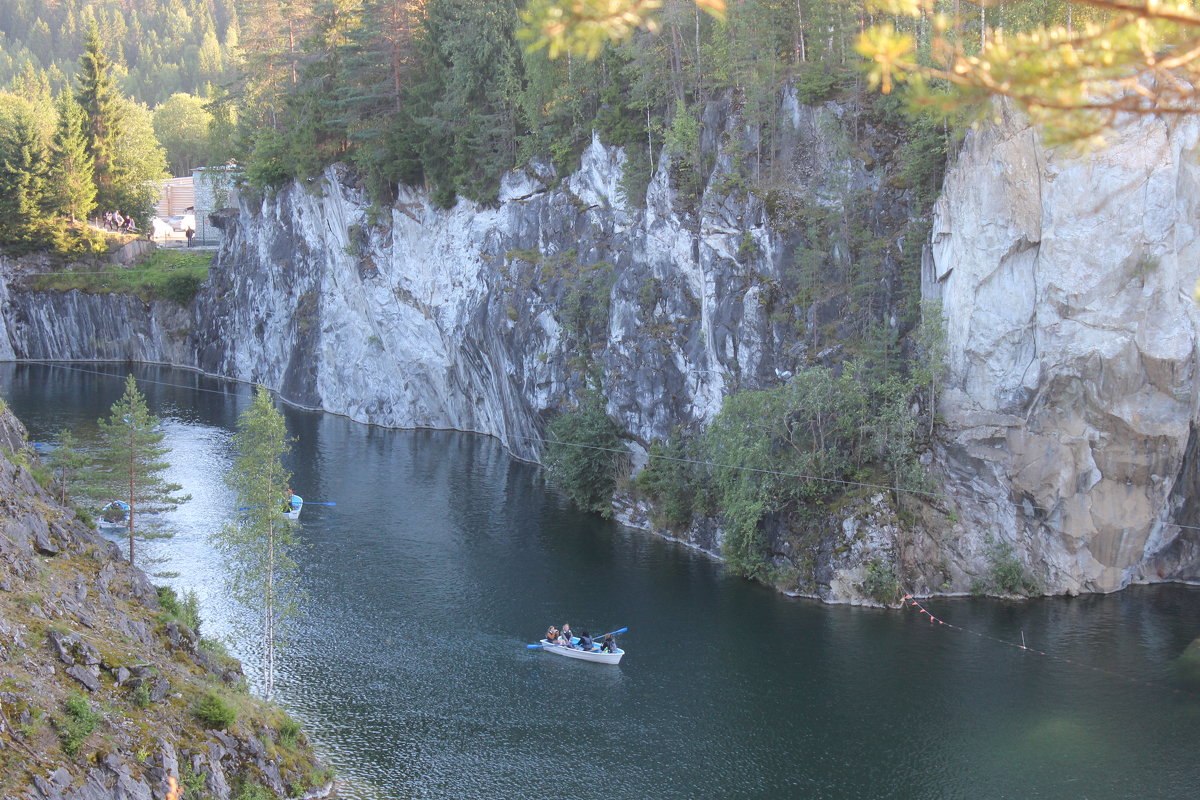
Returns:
(1077, 67)
(674, 479)
(584, 452)
(800, 446)
(76, 724)
(214, 710)
(1005, 574)
(881, 584)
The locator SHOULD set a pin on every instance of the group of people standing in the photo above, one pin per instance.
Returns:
(565, 638)
(114, 221)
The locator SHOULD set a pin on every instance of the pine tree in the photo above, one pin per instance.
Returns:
(72, 171)
(98, 96)
(130, 460)
(67, 460)
(22, 185)
(260, 569)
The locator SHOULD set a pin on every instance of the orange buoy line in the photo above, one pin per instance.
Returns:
(912, 602)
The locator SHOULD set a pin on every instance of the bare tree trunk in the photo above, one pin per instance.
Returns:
(131, 498)
(677, 61)
(801, 50)
(269, 617)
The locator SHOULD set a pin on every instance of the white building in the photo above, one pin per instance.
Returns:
(213, 188)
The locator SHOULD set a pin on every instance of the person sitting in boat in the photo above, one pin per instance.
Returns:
(116, 511)
(566, 636)
(585, 641)
(291, 501)
(552, 635)
(609, 645)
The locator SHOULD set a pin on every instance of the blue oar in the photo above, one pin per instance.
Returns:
(594, 638)
(306, 502)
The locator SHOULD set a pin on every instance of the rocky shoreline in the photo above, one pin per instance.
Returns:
(106, 691)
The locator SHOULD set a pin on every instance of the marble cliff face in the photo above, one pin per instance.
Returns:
(1071, 407)
(1069, 403)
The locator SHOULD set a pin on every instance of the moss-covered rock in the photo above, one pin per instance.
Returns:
(100, 681)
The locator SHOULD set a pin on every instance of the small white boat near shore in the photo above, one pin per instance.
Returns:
(115, 513)
(297, 503)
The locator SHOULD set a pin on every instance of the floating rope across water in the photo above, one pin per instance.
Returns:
(912, 602)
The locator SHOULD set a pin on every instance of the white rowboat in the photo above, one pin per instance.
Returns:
(584, 655)
(297, 504)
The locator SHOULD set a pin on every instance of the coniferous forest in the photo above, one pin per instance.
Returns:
(446, 94)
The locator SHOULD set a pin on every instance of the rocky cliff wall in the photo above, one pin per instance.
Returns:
(1071, 405)
(491, 318)
(1065, 281)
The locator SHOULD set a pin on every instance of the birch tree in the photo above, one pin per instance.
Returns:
(260, 570)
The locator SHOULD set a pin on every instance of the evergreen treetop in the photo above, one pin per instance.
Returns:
(129, 460)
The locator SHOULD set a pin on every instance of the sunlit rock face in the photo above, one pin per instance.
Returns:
(1070, 407)
(1070, 396)
(494, 318)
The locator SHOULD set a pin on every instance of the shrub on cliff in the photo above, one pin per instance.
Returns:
(881, 584)
(76, 724)
(673, 480)
(1005, 574)
(213, 710)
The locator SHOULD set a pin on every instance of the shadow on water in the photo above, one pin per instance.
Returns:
(443, 558)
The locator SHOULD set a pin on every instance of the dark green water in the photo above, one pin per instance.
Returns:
(443, 557)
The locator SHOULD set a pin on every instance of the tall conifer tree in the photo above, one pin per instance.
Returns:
(130, 460)
(72, 171)
(22, 184)
(98, 96)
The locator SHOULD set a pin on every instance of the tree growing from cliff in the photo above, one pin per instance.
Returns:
(260, 570)
(583, 451)
(130, 465)
(67, 461)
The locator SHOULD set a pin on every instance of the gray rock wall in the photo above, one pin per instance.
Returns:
(1067, 286)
